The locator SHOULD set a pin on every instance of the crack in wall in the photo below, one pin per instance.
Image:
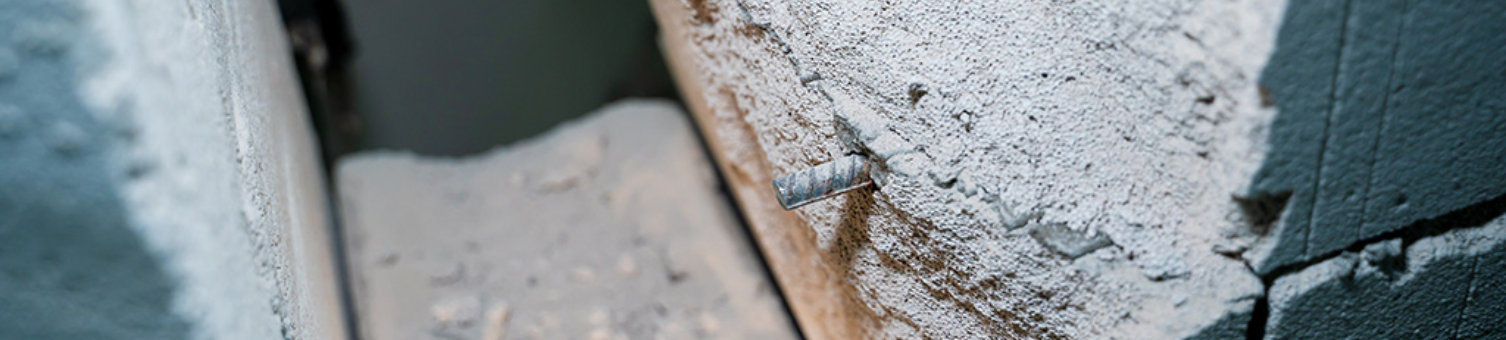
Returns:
(784, 47)
(1472, 216)
(1260, 315)
(1469, 293)
(1333, 106)
(1385, 117)
(1419, 147)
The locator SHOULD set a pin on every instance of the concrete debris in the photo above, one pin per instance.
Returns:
(608, 227)
(1065, 241)
(1384, 257)
(496, 322)
(455, 316)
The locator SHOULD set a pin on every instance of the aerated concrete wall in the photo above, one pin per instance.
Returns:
(158, 179)
(1389, 150)
(1157, 169)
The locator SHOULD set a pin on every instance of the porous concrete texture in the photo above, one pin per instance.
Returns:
(1449, 286)
(1391, 112)
(611, 226)
(160, 179)
(992, 121)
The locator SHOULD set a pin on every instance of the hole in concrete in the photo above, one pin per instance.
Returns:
(1262, 210)
(916, 91)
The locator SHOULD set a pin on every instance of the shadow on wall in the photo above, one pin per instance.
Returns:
(455, 77)
(1390, 112)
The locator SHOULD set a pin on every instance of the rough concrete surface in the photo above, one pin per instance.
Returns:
(1449, 286)
(160, 180)
(1096, 119)
(611, 226)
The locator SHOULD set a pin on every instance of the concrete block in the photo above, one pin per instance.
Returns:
(611, 226)
(1330, 123)
(1087, 121)
(1447, 286)
(159, 178)
(1390, 113)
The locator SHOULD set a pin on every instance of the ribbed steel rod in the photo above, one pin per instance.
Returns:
(822, 181)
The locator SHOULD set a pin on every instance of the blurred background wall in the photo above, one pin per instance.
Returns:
(454, 77)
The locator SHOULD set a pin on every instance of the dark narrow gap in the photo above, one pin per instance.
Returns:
(322, 46)
(343, 276)
(1475, 215)
(1261, 314)
(743, 224)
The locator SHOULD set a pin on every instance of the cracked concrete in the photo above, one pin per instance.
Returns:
(1448, 286)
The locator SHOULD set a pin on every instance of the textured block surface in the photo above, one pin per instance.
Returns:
(1113, 132)
(1197, 144)
(1391, 112)
(1447, 286)
(159, 178)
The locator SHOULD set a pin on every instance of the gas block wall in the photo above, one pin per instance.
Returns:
(158, 179)
(1103, 169)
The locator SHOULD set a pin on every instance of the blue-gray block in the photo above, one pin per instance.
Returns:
(158, 178)
(1390, 112)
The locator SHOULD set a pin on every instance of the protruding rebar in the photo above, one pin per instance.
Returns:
(822, 181)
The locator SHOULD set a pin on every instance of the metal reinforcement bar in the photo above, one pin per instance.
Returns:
(822, 181)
